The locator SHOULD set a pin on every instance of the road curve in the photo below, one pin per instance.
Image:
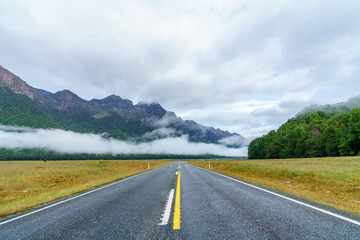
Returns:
(212, 207)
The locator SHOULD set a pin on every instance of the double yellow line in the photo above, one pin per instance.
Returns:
(177, 208)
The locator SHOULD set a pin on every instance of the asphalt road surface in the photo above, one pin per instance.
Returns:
(213, 206)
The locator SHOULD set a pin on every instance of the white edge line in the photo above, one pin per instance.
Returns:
(287, 198)
(81, 195)
(167, 211)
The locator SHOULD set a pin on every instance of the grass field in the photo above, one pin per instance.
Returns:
(331, 181)
(26, 184)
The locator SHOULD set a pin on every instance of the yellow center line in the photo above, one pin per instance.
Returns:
(177, 208)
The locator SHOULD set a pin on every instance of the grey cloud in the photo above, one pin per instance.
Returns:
(295, 101)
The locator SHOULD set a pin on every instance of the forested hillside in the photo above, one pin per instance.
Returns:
(16, 109)
(314, 133)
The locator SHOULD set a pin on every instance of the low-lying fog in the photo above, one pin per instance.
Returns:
(70, 142)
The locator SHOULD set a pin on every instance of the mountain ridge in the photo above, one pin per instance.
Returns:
(117, 117)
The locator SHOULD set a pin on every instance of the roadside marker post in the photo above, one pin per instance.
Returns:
(209, 164)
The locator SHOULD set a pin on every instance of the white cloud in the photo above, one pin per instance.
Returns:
(70, 142)
(190, 56)
(234, 140)
(252, 118)
(159, 133)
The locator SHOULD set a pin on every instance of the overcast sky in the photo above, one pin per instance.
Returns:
(243, 66)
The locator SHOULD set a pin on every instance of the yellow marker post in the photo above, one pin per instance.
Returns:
(177, 208)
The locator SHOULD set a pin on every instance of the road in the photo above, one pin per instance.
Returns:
(213, 206)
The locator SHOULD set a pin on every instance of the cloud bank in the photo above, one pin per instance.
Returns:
(70, 142)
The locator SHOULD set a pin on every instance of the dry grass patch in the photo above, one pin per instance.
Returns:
(25, 184)
(331, 181)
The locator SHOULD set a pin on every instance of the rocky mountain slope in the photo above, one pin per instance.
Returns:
(112, 116)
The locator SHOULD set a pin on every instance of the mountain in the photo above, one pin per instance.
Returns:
(16, 84)
(317, 131)
(17, 109)
(23, 105)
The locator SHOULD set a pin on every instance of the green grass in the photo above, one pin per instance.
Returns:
(26, 184)
(330, 181)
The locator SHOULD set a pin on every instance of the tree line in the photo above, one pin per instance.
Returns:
(313, 134)
(44, 155)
